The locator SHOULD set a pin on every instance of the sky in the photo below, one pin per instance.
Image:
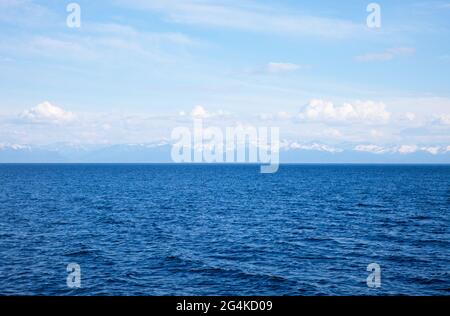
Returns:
(134, 70)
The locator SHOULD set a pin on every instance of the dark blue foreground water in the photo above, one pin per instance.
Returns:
(224, 230)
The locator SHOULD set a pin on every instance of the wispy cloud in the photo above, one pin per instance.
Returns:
(25, 13)
(445, 6)
(277, 67)
(248, 16)
(386, 55)
(112, 42)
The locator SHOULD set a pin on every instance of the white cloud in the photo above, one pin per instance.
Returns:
(374, 149)
(408, 149)
(332, 132)
(432, 150)
(444, 119)
(13, 146)
(313, 147)
(376, 133)
(410, 116)
(199, 112)
(47, 113)
(368, 112)
(386, 55)
(404, 149)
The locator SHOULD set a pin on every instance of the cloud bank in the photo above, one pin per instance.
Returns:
(365, 112)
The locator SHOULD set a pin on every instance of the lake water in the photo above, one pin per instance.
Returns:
(224, 229)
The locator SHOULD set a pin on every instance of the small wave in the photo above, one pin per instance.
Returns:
(243, 275)
(77, 253)
(82, 253)
(429, 281)
(365, 205)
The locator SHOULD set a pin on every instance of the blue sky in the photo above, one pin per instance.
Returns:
(136, 69)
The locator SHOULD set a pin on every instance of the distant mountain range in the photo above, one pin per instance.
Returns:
(160, 153)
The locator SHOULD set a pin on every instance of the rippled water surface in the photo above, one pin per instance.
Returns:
(224, 230)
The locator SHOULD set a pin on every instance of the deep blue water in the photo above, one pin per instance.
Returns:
(224, 230)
